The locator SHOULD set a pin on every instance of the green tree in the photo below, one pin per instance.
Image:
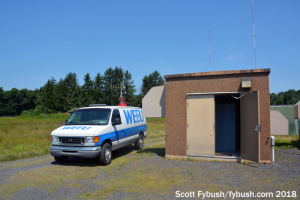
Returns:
(98, 89)
(71, 84)
(49, 96)
(1, 101)
(137, 100)
(153, 79)
(129, 88)
(61, 91)
(27, 99)
(112, 81)
(108, 81)
(285, 98)
(88, 90)
(11, 101)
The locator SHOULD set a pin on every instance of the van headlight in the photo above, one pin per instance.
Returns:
(92, 139)
(54, 138)
(89, 139)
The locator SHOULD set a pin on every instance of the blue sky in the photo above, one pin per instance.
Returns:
(44, 39)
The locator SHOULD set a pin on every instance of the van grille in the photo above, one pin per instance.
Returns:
(71, 140)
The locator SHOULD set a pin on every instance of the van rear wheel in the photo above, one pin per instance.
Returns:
(105, 155)
(61, 159)
(139, 144)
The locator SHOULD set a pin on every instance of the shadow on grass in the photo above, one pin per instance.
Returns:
(288, 144)
(93, 162)
(158, 151)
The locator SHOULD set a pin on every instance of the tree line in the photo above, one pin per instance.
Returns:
(285, 98)
(66, 94)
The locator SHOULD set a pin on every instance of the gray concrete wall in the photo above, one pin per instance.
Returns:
(154, 102)
(279, 123)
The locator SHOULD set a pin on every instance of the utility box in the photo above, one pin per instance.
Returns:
(219, 115)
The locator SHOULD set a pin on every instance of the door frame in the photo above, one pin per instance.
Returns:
(205, 93)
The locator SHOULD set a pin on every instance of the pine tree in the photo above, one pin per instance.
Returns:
(88, 90)
(1, 101)
(49, 96)
(71, 84)
(129, 88)
(98, 89)
(108, 80)
(61, 92)
(153, 79)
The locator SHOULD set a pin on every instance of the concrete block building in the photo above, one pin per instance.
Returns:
(219, 115)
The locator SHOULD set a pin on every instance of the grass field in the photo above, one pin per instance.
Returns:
(287, 141)
(25, 138)
(28, 137)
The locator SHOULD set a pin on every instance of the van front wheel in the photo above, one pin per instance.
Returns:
(139, 143)
(105, 155)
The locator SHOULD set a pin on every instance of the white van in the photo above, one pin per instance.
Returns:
(93, 132)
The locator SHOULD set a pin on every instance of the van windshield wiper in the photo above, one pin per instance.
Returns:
(72, 123)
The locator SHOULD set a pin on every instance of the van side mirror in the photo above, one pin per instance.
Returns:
(116, 122)
(66, 121)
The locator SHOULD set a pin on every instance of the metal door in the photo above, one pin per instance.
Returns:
(250, 126)
(200, 125)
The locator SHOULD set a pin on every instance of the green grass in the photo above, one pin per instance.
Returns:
(25, 138)
(287, 141)
(56, 176)
(62, 116)
(28, 137)
(126, 173)
(155, 127)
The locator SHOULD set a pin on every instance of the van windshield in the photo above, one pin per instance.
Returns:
(90, 117)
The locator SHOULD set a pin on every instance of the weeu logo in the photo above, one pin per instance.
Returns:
(76, 127)
(133, 115)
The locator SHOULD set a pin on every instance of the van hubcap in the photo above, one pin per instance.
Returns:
(107, 154)
(141, 142)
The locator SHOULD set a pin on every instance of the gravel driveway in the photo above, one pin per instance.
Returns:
(145, 175)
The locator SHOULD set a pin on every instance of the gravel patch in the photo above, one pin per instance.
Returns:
(24, 160)
(282, 175)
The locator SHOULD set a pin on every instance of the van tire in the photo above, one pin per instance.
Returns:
(105, 155)
(139, 144)
(61, 159)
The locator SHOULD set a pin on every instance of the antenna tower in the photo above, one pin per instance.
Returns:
(209, 50)
(254, 34)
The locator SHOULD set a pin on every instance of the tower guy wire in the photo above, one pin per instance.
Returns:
(209, 50)
(254, 36)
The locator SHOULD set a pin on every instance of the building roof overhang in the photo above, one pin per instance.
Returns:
(218, 73)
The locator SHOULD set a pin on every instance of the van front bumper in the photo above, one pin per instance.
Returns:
(84, 152)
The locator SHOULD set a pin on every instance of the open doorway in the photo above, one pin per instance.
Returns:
(227, 125)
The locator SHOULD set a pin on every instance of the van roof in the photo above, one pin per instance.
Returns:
(112, 107)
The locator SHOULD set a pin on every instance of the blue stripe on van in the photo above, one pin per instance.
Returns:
(114, 136)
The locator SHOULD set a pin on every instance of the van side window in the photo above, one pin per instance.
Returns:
(116, 114)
